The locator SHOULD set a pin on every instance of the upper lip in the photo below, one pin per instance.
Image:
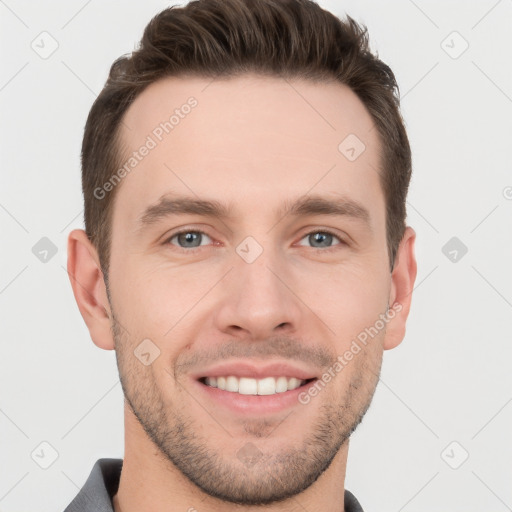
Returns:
(255, 371)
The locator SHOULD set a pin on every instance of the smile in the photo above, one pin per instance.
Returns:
(250, 386)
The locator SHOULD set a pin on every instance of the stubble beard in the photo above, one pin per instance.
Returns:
(254, 477)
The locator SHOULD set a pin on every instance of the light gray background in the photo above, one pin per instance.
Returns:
(448, 381)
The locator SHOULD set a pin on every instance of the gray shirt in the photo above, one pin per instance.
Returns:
(97, 493)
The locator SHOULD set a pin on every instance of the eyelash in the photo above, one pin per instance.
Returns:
(195, 249)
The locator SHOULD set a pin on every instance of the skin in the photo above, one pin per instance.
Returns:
(254, 142)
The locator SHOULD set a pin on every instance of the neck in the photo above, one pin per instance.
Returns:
(150, 482)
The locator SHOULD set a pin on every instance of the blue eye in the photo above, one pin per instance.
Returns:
(189, 238)
(323, 237)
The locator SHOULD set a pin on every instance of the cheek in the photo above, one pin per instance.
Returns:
(160, 305)
(346, 299)
(149, 301)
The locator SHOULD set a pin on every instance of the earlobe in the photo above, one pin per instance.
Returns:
(89, 289)
(402, 285)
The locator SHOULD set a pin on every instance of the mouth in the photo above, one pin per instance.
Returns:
(250, 386)
(246, 388)
(252, 398)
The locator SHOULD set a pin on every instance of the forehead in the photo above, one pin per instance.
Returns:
(249, 137)
(301, 107)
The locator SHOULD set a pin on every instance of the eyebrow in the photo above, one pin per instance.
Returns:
(171, 204)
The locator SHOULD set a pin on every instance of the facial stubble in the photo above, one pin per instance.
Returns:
(262, 478)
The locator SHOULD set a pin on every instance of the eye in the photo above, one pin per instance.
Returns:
(323, 238)
(188, 238)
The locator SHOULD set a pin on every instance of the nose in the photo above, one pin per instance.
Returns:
(258, 300)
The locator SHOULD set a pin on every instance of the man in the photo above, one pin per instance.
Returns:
(245, 173)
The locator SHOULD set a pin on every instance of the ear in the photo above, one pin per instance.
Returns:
(402, 285)
(89, 288)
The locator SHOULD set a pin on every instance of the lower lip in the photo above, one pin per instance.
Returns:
(254, 404)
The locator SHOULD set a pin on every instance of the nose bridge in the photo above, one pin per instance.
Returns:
(258, 278)
(256, 271)
(255, 297)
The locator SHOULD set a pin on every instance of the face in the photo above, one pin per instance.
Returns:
(266, 287)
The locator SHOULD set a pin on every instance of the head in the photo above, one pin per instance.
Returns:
(245, 173)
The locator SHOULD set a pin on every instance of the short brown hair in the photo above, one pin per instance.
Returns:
(225, 38)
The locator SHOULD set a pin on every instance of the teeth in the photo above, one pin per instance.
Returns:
(293, 383)
(248, 386)
(232, 384)
(282, 384)
(267, 386)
